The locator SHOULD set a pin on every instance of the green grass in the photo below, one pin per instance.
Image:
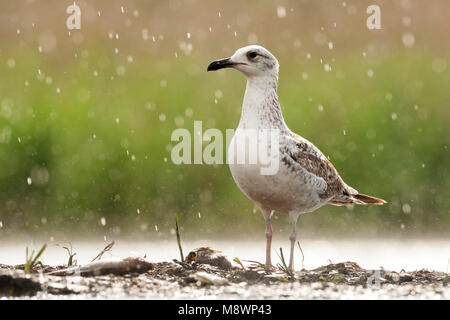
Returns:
(80, 158)
(32, 260)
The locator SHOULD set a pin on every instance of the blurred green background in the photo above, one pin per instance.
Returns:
(86, 117)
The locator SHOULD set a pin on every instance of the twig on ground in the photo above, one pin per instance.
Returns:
(303, 256)
(178, 238)
(259, 264)
(106, 249)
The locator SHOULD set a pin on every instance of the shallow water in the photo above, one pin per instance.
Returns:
(390, 254)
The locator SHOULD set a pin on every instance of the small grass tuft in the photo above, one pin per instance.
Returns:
(71, 261)
(283, 266)
(32, 260)
(237, 260)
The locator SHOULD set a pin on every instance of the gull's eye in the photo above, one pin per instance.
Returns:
(252, 55)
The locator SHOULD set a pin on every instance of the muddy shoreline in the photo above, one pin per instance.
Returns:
(214, 277)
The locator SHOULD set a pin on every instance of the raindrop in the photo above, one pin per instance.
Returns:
(144, 34)
(408, 39)
(406, 21)
(406, 208)
(438, 65)
(218, 94)
(281, 12)
(103, 221)
(29, 180)
(11, 63)
(120, 70)
(179, 121)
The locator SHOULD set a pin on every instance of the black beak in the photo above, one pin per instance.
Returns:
(220, 64)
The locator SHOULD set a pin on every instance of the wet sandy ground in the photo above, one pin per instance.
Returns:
(210, 275)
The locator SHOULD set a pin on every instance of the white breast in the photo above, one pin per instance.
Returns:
(283, 191)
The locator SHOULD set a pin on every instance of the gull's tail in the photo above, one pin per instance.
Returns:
(351, 196)
(365, 199)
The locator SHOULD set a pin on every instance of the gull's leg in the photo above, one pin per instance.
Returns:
(267, 213)
(293, 216)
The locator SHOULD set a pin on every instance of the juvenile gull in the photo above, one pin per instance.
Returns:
(305, 179)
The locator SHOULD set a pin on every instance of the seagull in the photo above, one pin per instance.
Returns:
(305, 180)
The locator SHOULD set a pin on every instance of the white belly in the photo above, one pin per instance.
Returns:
(284, 191)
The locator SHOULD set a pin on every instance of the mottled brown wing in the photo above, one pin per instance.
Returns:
(312, 160)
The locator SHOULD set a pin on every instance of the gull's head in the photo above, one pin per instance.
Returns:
(252, 61)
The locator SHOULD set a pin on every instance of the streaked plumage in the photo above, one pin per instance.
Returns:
(306, 179)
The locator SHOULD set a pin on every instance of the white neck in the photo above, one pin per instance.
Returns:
(261, 109)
